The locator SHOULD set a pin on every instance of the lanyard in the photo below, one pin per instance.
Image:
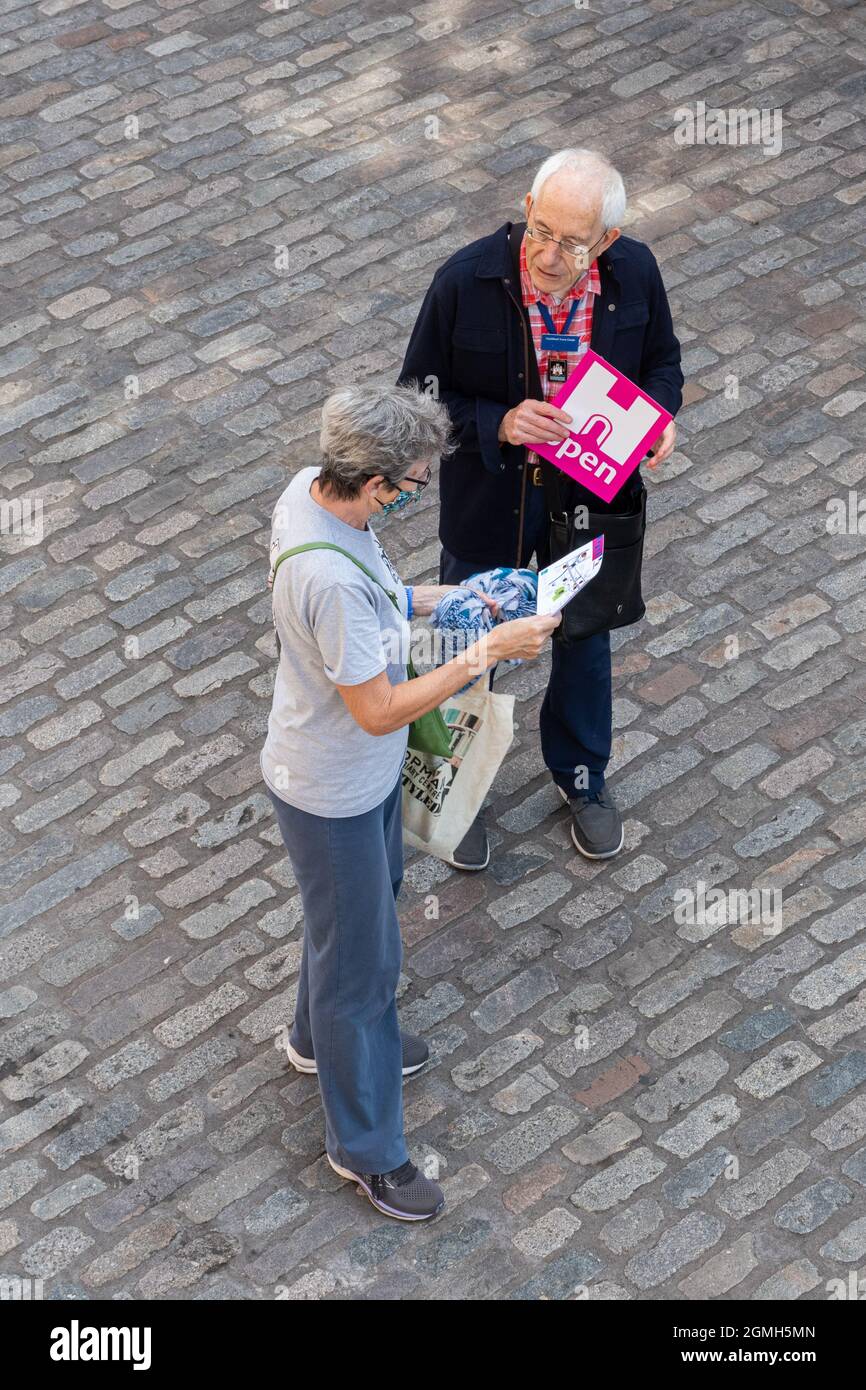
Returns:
(548, 320)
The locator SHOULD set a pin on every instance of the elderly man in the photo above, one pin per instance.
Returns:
(502, 325)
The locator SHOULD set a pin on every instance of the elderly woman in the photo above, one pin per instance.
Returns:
(332, 764)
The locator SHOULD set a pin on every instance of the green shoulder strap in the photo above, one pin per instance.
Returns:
(429, 733)
(328, 545)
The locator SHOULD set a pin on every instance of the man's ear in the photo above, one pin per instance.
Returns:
(616, 233)
(527, 206)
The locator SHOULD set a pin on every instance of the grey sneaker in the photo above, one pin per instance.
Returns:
(596, 824)
(404, 1192)
(473, 852)
(415, 1054)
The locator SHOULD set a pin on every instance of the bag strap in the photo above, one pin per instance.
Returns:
(552, 477)
(328, 545)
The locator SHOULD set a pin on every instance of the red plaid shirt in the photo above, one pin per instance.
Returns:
(584, 291)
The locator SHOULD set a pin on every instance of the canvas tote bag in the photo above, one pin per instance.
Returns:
(442, 796)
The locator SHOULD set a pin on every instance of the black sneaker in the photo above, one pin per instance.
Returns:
(404, 1192)
(596, 824)
(473, 852)
(415, 1054)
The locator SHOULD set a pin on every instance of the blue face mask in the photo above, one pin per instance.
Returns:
(400, 501)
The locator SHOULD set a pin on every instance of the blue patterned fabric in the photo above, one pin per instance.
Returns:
(461, 617)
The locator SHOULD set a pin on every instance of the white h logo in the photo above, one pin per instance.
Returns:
(621, 429)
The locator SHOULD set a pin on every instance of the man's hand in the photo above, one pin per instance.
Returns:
(534, 422)
(663, 446)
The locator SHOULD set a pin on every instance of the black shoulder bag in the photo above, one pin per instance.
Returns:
(613, 599)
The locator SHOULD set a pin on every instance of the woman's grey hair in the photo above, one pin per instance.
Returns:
(368, 430)
(592, 167)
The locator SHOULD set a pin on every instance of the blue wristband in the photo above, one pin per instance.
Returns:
(409, 600)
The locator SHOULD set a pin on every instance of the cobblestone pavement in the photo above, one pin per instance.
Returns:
(210, 214)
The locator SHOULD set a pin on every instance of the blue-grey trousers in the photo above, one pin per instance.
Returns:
(349, 870)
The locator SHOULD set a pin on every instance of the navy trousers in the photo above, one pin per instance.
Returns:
(349, 870)
(576, 715)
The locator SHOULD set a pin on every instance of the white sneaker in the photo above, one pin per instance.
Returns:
(415, 1054)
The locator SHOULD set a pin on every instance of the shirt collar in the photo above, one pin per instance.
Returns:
(589, 282)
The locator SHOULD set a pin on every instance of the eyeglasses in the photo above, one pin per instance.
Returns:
(421, 483)
(571, 249)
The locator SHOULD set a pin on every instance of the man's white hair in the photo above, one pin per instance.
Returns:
(594, 168)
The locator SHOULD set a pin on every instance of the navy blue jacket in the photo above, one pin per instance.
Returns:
(472, 345)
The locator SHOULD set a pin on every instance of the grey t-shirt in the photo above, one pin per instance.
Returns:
(336, 627)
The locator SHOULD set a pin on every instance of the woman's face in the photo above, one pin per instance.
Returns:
(393, 498)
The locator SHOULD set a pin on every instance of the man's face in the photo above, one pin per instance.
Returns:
(567, 214)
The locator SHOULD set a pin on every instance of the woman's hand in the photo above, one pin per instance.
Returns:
(485, 598)
(426, 596)
(522, 638)
(381, 708)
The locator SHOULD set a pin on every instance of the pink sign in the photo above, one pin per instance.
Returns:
(613, 425)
